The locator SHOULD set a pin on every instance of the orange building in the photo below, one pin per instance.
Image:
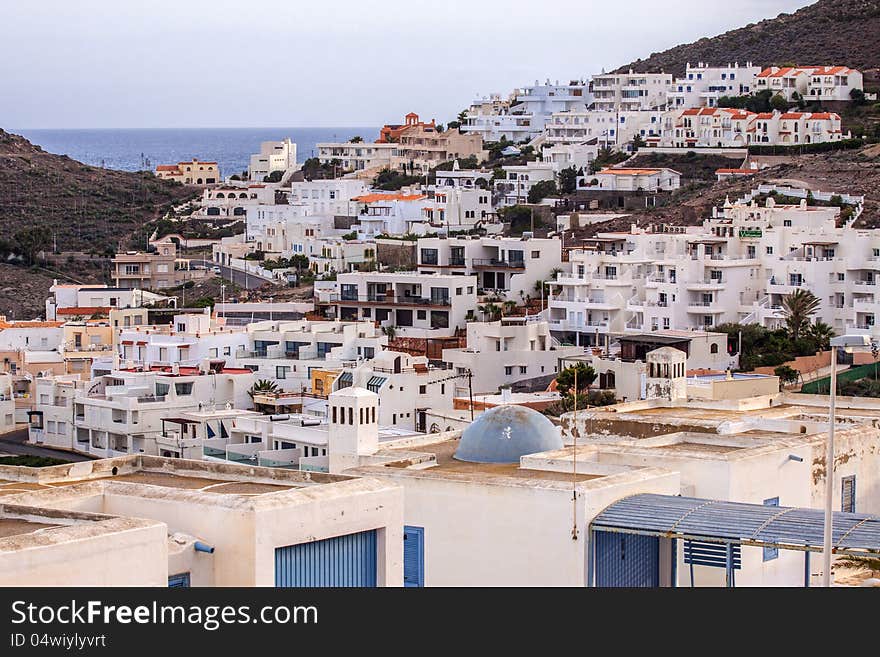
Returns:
(391, 133)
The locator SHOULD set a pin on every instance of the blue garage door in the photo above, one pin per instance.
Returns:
(627, 559)
(413, 556)
(348, 560)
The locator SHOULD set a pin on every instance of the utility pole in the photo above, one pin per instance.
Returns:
(470, 376)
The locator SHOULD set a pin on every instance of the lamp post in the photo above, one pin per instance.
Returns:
(847, 343)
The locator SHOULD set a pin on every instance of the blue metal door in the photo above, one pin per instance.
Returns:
(627, 559)
(348, 560)
(413, 556)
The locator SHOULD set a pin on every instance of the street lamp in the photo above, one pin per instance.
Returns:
(847, 343)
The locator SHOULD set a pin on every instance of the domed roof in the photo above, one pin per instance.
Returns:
(505, 433)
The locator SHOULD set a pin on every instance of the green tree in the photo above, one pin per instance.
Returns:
(264, 387)
(787, 375)
(274, 177)
(568, 180)
(821, 333)
(797, 308)
(857, 96)
(540, 190)
(586, 375)
(779, 103)
(30, 241)
(638, 142)
(357, 139)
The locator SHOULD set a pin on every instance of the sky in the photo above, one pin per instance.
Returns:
(289, 63)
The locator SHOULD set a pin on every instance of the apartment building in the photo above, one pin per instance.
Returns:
(412, 304)
(505, 352)
(363, 157)
(708, 127)
(833, 83)
(577, 155)
(791, 128)
(506, 266)
(524, 117)
(154, 271)
(273, 156)
(392, 213)
(810, 82)
(288, 352)
(67, 301)
(630, 91)
(514, 187)
(613, 129)
(188, 340)
(327, 197)
(631, 180)
(421, 147)
(122, 412)
(84, 342)
(195, 172)
(457, 208)
(235, 200)
(463, 178)
(392, 132)
(702, 85)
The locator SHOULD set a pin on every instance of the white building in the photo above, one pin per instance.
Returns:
(610, 128)
(524, 117)
(630, 91)
(509, 266)
(505, 352)
(357, 156)
(71, 300)
(702, 85)
(231, 200)
(287, 352)
(273, 156)
(327, 197)
(412, 304)
(631, 180)
(7, 403)
(810, 82)
(518, 180)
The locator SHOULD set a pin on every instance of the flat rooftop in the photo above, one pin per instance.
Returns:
(16, 527)
(445, 463)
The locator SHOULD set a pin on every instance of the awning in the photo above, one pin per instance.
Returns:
(375, 383)
(345, 380)
(739, 523)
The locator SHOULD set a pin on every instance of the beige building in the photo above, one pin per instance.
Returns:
(149, 521)
(420, 147)
(135, 269)
(195, 172)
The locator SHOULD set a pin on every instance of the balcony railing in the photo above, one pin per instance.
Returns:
(500, 264)
(389, 299)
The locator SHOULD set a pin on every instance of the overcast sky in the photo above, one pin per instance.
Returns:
(288, 63)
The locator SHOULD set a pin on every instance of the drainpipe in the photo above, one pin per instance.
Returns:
(203, 547)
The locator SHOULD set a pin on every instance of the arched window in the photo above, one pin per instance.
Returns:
(713, 348)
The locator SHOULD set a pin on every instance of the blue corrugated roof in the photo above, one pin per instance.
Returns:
(739, 522)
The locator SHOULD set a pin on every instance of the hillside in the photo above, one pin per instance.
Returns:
(828, 32)
(85, 208)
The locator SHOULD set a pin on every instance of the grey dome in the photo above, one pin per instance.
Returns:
(505, 433)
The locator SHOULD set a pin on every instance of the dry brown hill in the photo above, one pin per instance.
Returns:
(843, 32)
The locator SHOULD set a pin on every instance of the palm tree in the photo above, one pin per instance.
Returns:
(797, 308)
(871, 562)
(821, 333)
(263, 386)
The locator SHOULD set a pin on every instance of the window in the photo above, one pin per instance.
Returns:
(848, 494)
(769, 250)
(227, 351)
(281, 371)
(771, 553)
(536, 255)
(421, 314)
(713, 348)
(523, 369)
(508, 370)
(184, 388)
(423, 390)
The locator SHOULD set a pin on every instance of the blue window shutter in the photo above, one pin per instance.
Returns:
(413, 556)
(180, 581)
(211, 433)
(771, 553)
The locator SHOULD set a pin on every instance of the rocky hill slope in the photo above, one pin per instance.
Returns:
(828, 32)
(72, 205)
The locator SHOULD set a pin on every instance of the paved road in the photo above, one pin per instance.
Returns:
(248, 281)
(15, 442)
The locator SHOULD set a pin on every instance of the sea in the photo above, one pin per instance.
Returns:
(144, 148)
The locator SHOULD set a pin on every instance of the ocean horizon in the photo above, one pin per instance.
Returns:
(135, 149)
